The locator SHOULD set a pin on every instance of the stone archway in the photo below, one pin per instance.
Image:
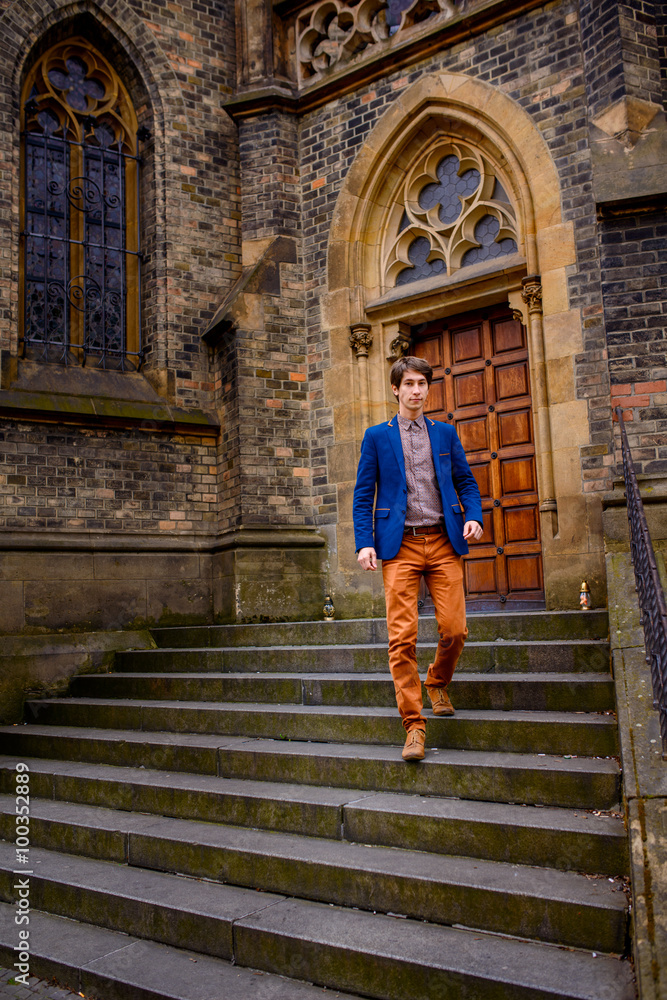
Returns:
(360, 310)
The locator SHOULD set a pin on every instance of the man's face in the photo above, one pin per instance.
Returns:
(412, 392)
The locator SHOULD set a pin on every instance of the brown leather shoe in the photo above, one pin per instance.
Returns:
(440, 701)
(414, 745)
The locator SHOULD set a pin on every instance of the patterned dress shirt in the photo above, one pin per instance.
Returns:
(424, 503)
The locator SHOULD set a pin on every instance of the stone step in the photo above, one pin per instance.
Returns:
(97, 962)
(371, 954)
(537, 903)
(520, 732)
(547, 626)
(549, 780)
(499, 692)
(547, 837)
(566, 655)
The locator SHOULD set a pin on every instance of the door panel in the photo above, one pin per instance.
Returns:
(515, 427)
(520, 524)
(480, 577)
(469, 390)
(511, 381)
(481, 384)
(473, 434)
(524, 573)
(467, 345)
(508, 335)
(482, 474)
(518, 476)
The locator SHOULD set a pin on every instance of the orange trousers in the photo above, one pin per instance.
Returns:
(433, 557)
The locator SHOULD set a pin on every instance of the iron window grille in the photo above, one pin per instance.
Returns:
(81, 268)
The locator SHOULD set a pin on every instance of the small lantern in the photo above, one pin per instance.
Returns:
(584, 596)
(328, 609)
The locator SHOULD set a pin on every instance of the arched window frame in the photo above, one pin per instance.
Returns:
(79, 212)
(451, 241)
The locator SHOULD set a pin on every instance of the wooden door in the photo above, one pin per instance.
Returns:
(481, 385)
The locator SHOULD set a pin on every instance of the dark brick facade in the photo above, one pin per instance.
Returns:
(237, 207)
(88, 480)
(179, 66)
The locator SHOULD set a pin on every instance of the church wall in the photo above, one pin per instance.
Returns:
(634, 274)
(236, 445)
(536, 60)
(129, 466)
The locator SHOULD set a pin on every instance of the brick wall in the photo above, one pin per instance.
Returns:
(272, 471)
(620, 46)
(661, 35)
(86, 480)
(268, 146)
(180, 65)
(178, 62)
(634, 269)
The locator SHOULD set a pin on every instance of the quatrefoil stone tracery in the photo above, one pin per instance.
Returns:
(75, 85)
(332, 32)
(452, 211)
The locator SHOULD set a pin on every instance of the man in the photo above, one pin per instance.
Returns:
(425, 490)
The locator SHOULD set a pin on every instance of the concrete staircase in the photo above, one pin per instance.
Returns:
(228, 816)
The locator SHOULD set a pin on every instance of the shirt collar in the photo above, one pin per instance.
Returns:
(405, 423)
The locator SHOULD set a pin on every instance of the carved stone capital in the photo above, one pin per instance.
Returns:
(531, 293)
(361, 339)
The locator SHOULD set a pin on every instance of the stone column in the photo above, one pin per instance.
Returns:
(361, 340)
(254, 42)
(532, 296)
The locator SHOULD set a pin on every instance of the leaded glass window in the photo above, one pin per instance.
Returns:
(452, 212)
(81, 261)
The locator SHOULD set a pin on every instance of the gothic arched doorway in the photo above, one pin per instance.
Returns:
(481, 384)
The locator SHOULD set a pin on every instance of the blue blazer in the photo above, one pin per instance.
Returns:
(382, 466)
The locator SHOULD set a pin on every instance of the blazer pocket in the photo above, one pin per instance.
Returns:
(382, 512)
(456, 508)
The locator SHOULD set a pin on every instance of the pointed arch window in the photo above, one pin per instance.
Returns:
(81, 257)
(452, 211)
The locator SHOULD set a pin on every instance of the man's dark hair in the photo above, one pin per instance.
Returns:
(409, 363)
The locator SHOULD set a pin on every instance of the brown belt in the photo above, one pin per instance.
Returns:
(425, 529)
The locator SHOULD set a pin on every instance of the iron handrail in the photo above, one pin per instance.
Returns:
(649, 589)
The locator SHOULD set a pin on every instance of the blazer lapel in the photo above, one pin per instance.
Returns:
(434, 432)
(394, 434)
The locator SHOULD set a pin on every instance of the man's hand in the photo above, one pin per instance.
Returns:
(367, 558)
(471, 529)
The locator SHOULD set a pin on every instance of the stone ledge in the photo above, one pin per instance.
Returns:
(259, 278)
(52, 407)
(88, 581)
(44, 664)
(644, 778)
(92, 541)
(512, 268)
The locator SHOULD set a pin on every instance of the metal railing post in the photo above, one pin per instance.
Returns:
(649, 588)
